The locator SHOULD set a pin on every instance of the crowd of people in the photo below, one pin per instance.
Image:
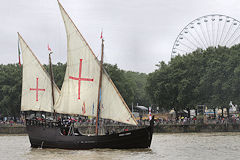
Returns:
(11, 121)
(199, 120)
(86, 121)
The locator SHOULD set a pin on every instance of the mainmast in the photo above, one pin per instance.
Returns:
(51, 77)
(99, 88)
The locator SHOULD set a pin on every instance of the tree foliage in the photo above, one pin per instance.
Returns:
(10, 89)
(131, 85)
(209, 77)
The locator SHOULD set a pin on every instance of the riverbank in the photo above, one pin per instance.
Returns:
(13, 130)
(166, 128)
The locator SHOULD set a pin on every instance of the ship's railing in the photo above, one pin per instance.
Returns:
(43, 122)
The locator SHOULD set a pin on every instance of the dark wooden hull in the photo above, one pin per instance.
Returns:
(50, 137)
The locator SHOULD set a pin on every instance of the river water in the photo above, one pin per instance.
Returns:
(184, 146)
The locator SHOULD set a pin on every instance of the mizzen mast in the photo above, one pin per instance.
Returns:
(99, 87)
(51, 77)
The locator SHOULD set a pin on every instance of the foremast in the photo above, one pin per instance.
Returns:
(99, 87)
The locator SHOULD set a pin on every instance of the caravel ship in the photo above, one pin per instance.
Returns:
(86, 84)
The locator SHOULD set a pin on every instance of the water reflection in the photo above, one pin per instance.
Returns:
(104, 154)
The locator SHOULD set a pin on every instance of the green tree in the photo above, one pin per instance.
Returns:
(10, 88)
(209, 77)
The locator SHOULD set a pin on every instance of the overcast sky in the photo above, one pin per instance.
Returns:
(138, 33)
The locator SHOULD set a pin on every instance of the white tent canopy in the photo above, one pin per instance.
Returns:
(142, 108)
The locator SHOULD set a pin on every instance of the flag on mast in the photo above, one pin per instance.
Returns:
(101, 36)
(49, 48)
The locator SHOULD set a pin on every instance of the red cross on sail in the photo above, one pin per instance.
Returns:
(79, 78)
(36, 89)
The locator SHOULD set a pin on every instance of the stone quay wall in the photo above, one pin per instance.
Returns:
(169, 128)
(13, 130)
(160, 128)
(197, 128)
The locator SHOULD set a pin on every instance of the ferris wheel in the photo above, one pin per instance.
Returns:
(207, 31)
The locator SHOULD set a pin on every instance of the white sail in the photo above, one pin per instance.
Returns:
(79, 92)
(36, 83)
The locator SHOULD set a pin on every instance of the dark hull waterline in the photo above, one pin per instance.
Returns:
(47, 137)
